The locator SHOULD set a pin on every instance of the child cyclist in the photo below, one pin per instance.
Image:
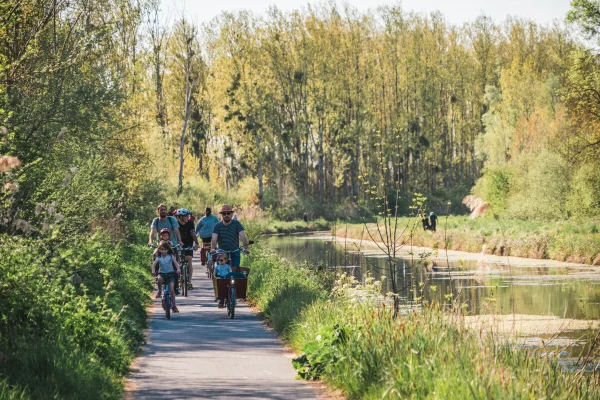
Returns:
(166, 267)
(165, 235)
(221, 270)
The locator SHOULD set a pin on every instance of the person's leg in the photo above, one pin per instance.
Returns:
(190, 269)
(235, 261)
(172, 291)
(159, 282)
(204, 250)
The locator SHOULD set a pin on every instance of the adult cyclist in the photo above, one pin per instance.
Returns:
(227, 235)
(164, 221)
(188, 236)
(204, 231)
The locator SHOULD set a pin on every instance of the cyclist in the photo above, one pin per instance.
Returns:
(204, 230)
(165, 236)
(167, 268)
(188, 236)
(227, 235)
(165, 221)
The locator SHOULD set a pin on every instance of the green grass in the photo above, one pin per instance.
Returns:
(572, 241)
(359, 347)
(72, 315)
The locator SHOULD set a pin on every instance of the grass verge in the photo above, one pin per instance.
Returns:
(351, 340)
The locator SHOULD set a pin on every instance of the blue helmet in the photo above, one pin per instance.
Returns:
(183, 211)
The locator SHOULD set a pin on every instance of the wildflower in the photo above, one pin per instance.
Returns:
(11, 187)
(23, 225)
(8, 162)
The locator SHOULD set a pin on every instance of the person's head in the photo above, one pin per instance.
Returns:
(226, 212)
(165, 234)
(431, 213)
(183, 214)
(161, 210)
(222, 258)
(207, 211)
(164, 248)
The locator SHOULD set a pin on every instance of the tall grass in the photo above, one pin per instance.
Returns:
(572, 241)
(353, 341)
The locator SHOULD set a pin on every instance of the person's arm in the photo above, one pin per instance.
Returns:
(195, 237)
(154, 268)
(178, 236)
(245, 242)
(213, 242)
(153, 232)
(176, 264)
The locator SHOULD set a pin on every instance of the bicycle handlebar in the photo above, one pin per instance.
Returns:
(174, 247)
(221, 251)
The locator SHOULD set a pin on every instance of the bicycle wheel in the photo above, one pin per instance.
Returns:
(168, 305)
(209, 267)
(184, 279)
(231, 303)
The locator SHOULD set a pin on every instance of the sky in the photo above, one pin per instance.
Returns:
(456, 11)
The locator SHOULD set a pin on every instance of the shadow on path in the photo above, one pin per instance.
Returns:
(200, 353)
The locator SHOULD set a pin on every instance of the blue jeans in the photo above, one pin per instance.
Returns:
(235, 259)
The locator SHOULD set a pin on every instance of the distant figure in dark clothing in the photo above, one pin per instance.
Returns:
(433, 219)
(305, 217)
(425, 222)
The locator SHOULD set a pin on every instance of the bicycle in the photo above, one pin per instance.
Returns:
(166, 295)
(184, 280)
(234, 285)
(209, 259)
(166, 298)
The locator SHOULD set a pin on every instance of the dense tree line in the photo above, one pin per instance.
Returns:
(333, 105)
(326, 104)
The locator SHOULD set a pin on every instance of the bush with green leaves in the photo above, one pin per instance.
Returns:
(72, 315)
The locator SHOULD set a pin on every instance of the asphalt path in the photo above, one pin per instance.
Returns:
(202, 354)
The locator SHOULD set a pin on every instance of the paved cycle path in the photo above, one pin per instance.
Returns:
(202, 354)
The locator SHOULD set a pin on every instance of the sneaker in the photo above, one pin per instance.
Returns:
(221, 304)
(175, 310)
(190, 286)
(177, 292)
(158, 295)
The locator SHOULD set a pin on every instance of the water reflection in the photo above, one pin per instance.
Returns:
(496, 288)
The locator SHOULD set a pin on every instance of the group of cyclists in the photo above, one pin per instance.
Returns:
(177, 233)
